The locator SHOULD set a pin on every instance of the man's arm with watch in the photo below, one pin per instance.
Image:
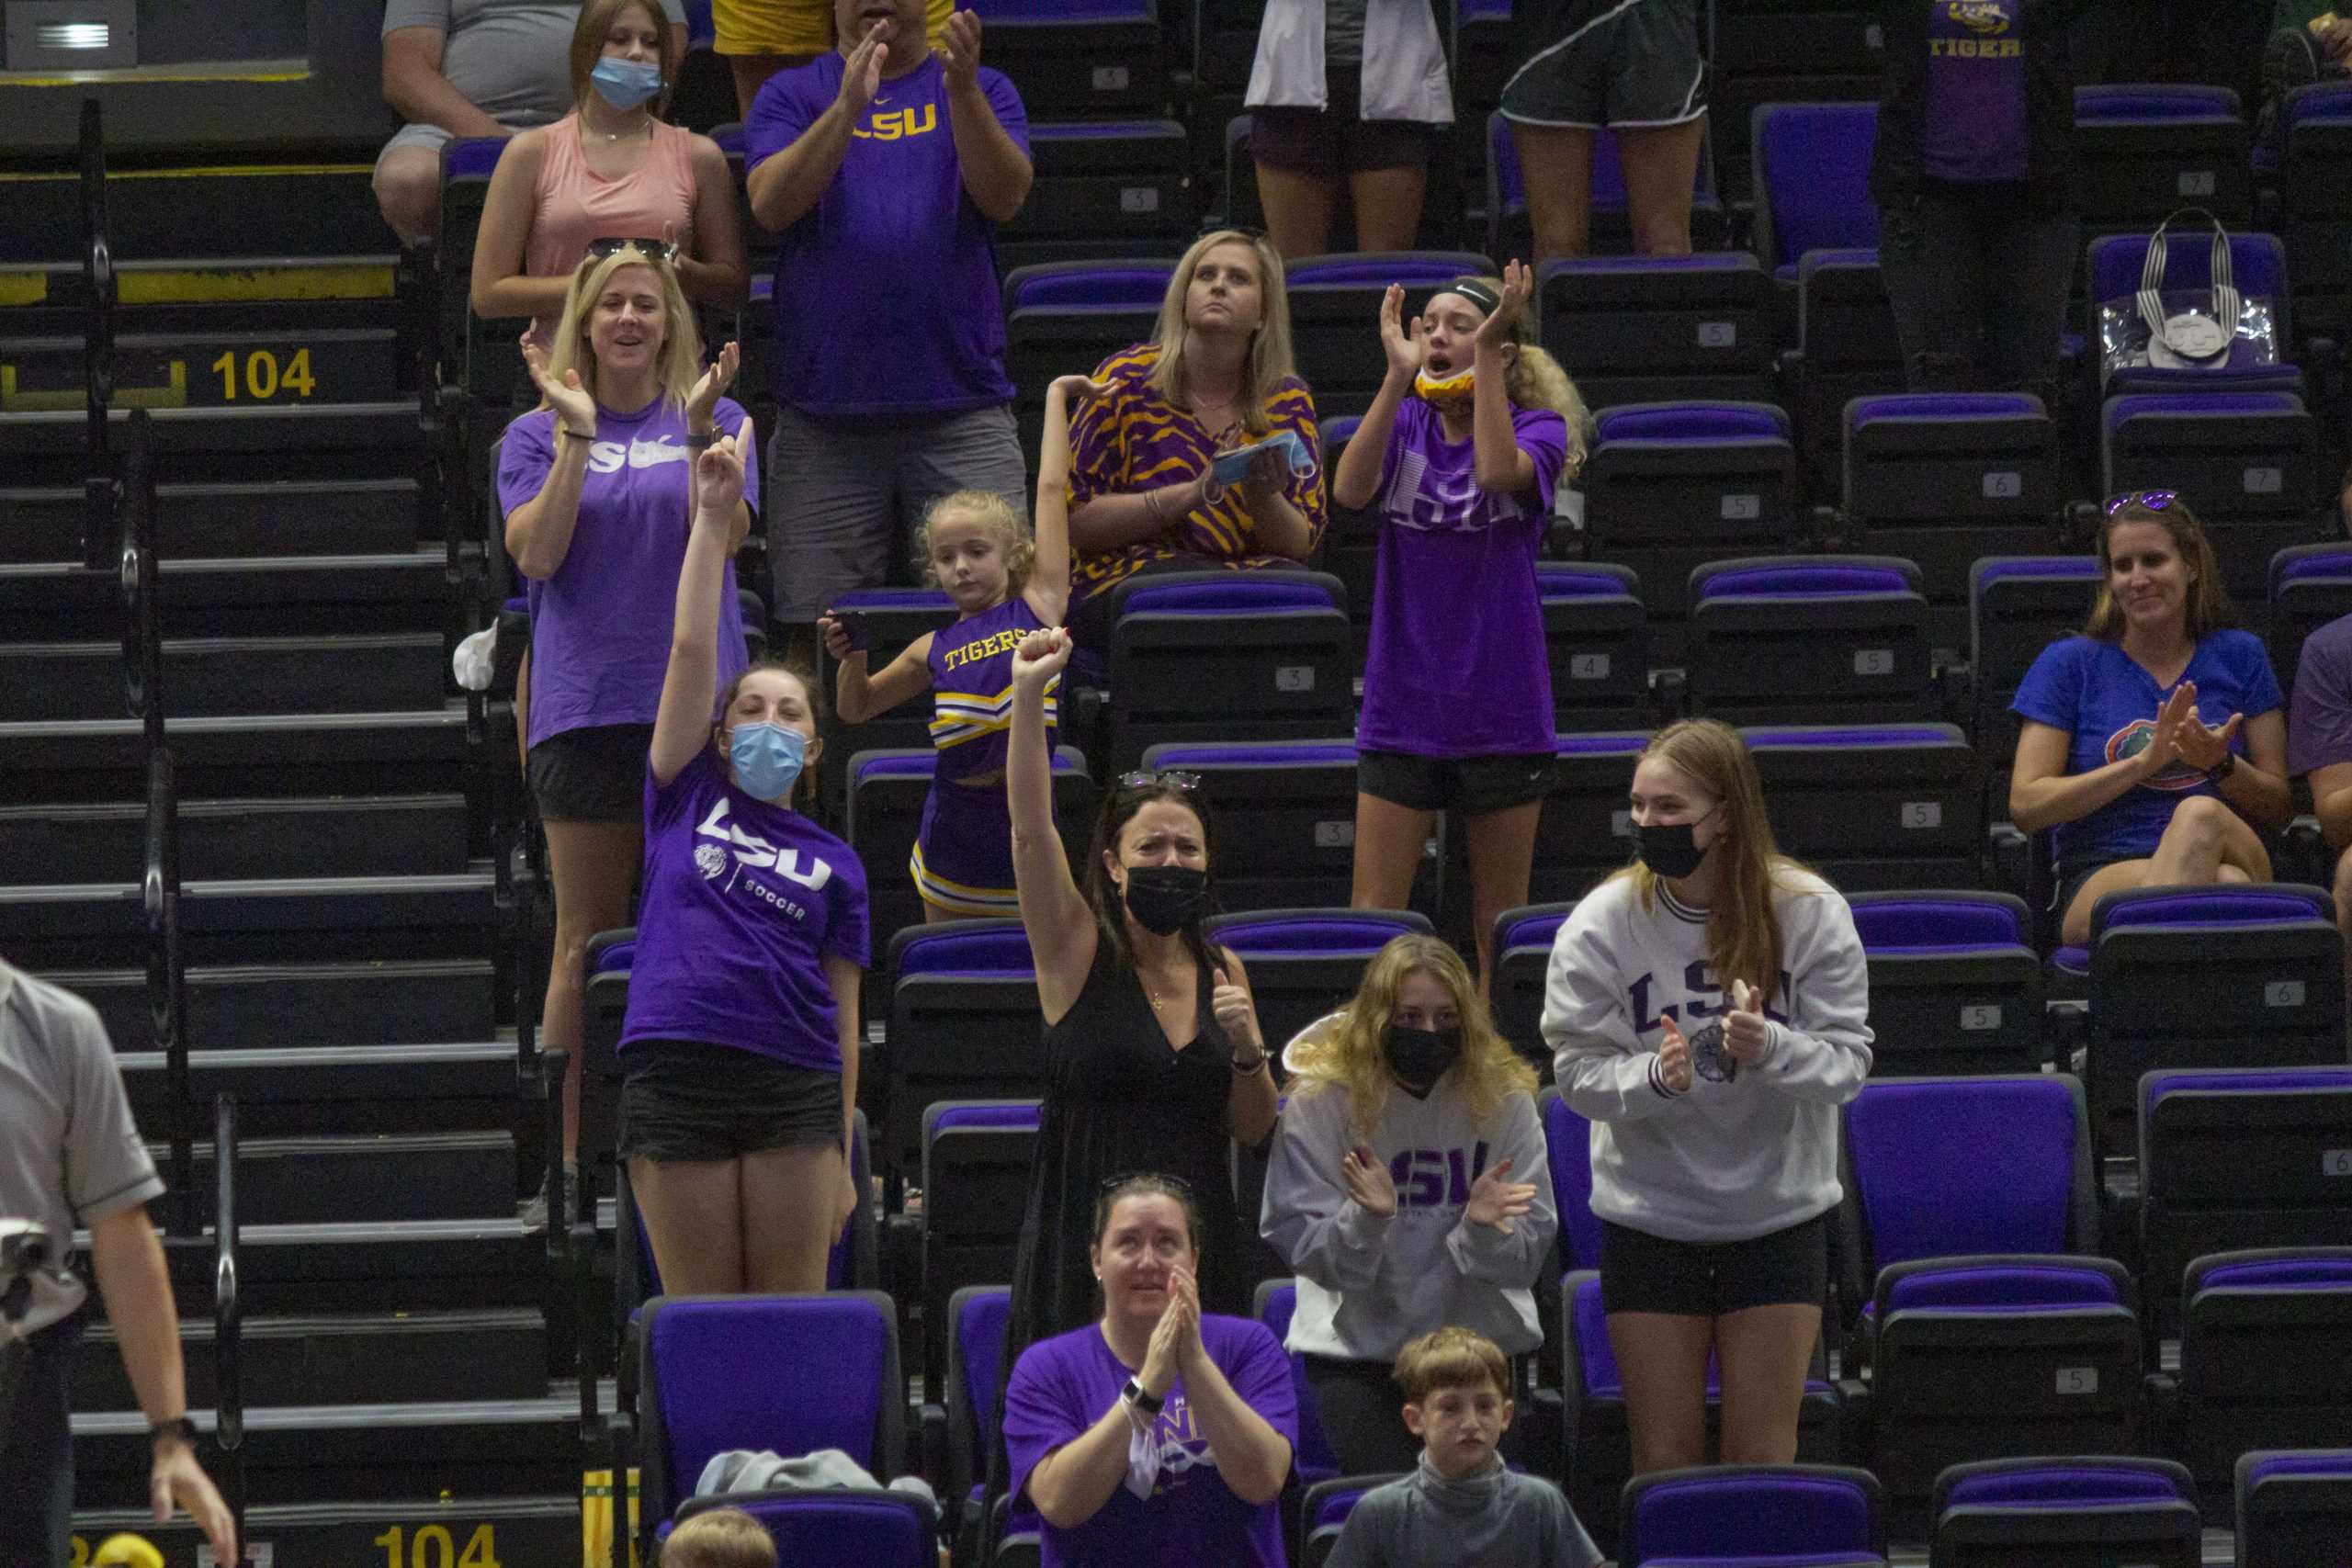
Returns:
(2255, 784)
(136, 1282)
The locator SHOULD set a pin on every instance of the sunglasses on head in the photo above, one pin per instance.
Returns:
(1170, 778)
(652, 250)
(1175, 1184)
(2147, 500)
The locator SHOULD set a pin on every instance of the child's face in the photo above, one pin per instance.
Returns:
(967, 552)
(1460, 1426)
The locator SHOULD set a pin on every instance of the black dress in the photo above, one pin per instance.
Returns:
(1120, 1100)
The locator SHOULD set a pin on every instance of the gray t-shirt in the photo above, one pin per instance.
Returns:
(1426, 1521)
(69, 1152)
(1343, 38)
(510, 58)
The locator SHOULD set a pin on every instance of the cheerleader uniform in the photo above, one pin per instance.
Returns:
(963, 856)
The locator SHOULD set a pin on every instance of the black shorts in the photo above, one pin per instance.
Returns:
(683, 1099)
(1630, 66)
(1473, 785)
(1641, 1272)
(2074, 871)
(1327, 143)
(594, 775)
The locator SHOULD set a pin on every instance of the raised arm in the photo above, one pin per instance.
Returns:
(858, 696)
(784, 187)
(417, 90)
(1047, 591)
(1503, 467)
(538, 531)
(995, 171)
(499, 286)
(2258, 786)
(1357, 479)
(1053, 910)
(1252, 1457)
(682, 723)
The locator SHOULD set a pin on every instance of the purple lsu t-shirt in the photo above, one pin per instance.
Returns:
(2318, 721)
(1061, 1386)
(1456, 665)
(600, 626)
(894, 257)
(1975, 120)
(743, 903)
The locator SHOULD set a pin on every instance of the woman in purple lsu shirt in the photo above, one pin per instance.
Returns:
(738, 1056)
(1472, 429)
(593, 484)
(1161, 1433)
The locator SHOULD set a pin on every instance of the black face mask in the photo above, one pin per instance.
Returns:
(1164, 900)
(1420, 1056)
(1671, 849)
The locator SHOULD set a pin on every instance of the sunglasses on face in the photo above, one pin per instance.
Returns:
(2147, 500)
(652, 250)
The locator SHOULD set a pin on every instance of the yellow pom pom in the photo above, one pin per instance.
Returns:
(127, 1551)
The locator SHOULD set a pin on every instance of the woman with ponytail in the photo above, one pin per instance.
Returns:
(1472, 428)
(1707, 1004)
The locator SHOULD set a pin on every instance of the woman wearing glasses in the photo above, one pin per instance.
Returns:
(1153, 1057)
(2153, 742)
(611, 167)
(1216, 376)
(595, 484)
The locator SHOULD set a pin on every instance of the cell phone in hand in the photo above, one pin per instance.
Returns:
(853, 626)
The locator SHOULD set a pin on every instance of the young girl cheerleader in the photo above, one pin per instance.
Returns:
(1004, 586)
(1458, 689)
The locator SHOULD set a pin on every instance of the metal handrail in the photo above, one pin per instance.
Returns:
(98, 491)
(228, 1314)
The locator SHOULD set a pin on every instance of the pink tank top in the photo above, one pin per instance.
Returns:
(575, 206)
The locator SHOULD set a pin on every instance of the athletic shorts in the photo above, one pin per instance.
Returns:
(790, 26)
(1472, 785)
(962, 856)
(1641, 1272)
(1330, 143)
(1629, 65)
(592, 774)
(2075, 871)
(684, 1099)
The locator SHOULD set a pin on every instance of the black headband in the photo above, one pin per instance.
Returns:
(1476, 292)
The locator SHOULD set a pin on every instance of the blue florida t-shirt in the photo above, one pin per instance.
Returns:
(743, 903)
(887, 298)
(2106, 703)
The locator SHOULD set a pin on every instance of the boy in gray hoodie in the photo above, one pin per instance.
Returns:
(1461, 1509)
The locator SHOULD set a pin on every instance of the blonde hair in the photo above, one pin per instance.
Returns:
(1539, 381)
(1268, 364)
(1450, 1357)
(1012, 531)
(720, 1538)
(1345, 1050)
(680, 365)
(2205, 607)
(596, 18)
(1742, 930)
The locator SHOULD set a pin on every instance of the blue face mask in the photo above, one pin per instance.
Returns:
(625, 83)
(767, 759)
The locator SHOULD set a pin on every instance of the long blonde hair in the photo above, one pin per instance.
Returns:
(1345, 1048)
(680, 365)
(1539, 381)
(1268, 364)
(1742, 930)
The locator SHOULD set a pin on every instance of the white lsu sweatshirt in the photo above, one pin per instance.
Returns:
(1741, 1154)
(1368, 1283)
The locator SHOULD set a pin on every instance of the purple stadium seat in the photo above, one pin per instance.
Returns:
(1285, 817)
(1650, 329)
(977, 1156)
(1820, 637)
(1955, 984)
(1304, 963)
(1812, 163)
(1277, 1299)
(2139, 1511)
(789, 1373)
(1567, 1141)
(1734, 1514)
(963, 1026)
(2260, 1354)
(2294, 1506)
(871, 1527)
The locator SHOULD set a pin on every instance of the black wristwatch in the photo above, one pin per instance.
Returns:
(1149, 1403)
(178, 1427)
(2223, 769)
